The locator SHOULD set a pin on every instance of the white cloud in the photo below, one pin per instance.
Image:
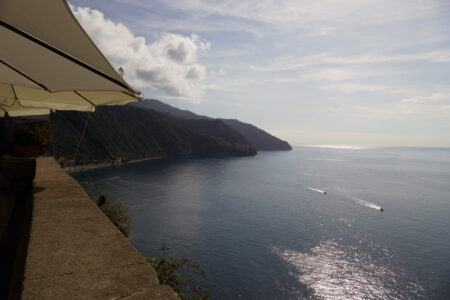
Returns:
(434, 107)
(289, 63)
(343, 73)
(433, 98)
(169, 64)
(356, 87)
(319, 17)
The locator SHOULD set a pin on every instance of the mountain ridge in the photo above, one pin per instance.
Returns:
(259, 138)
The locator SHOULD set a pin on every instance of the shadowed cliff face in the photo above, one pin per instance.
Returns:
(131, 133)
(257, 137)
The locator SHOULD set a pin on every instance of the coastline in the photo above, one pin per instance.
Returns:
(85, 167)
(112, 163)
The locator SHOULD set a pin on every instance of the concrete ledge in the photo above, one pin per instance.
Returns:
(126, 282)
(75, 252)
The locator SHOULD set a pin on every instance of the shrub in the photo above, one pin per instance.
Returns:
(172, 271)
(116, 212)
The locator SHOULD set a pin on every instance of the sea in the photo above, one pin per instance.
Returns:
(311, 223)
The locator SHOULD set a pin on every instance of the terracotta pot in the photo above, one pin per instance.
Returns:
(27, 150)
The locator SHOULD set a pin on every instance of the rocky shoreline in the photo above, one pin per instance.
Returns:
(79, 168)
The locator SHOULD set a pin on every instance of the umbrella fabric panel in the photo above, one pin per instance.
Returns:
(52, 22)
(9, 75)
(27, 97)
(73, 100)
(60, 100)
(47, 61)
(107, 97)
(54, 72)
(16, 110)
(7, 95)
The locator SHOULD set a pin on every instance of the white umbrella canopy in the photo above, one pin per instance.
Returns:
(48, 62)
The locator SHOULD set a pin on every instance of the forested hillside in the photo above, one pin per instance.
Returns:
(131, 133)
(259, 138)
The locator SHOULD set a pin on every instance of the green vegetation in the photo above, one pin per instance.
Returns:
(258, 138)
(171, 271)
(130, 133)
(174, 272)
(116, 212)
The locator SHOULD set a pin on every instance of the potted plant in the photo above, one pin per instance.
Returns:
(29, 140)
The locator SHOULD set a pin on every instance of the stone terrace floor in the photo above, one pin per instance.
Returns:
(75, 252)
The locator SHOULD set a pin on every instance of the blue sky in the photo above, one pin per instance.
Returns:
(349, 72)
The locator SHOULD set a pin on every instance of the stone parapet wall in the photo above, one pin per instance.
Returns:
(75, 252)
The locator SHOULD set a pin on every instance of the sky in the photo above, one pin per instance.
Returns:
(313, 72)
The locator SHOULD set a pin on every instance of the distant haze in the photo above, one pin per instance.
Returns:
(349, 72)
(358, 140)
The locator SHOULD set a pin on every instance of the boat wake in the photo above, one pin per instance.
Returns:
(368, 204)
(317, 190)
(339, 194)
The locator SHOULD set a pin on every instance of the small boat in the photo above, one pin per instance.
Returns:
(381, 209)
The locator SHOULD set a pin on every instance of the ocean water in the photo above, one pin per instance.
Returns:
(263, 228)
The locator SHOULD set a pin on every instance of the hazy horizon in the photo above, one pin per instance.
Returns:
(323, 72)
(366, 147)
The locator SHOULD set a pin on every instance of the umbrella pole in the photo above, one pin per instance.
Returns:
(81, 139)
(51, 134)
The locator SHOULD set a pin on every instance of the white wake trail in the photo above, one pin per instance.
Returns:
(317, 190)
(368, 204)
(357, 200)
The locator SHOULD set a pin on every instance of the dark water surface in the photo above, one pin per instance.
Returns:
(260, 231)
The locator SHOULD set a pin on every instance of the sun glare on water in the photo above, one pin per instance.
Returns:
(336, 272)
